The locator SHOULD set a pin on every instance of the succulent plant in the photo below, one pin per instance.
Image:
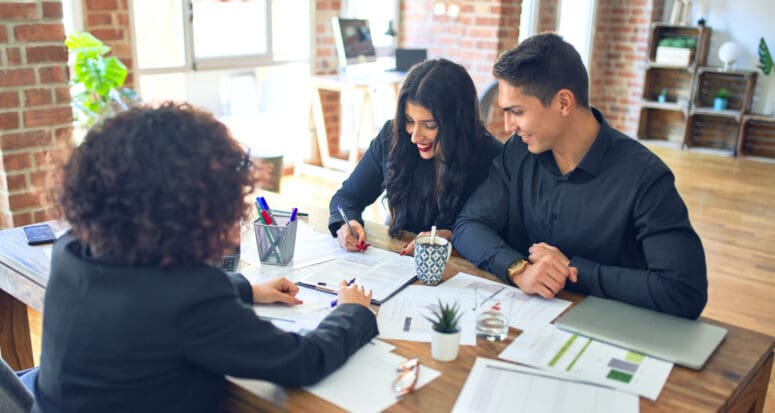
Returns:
(445, 318)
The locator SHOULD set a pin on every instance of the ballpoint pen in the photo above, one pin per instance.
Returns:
(349, 283)
(361, 245)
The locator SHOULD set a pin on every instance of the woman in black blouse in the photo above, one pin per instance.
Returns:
(428, 159)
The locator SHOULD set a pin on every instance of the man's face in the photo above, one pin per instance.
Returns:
(536, 124)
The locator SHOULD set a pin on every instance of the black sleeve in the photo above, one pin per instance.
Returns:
(479, 230)
(226, 337)
(675, 280)
(365, 183)
(242, 287)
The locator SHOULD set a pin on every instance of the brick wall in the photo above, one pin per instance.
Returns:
(35, 115)
(618, 61)
(324, 61)
(108, 20)
(474, 39)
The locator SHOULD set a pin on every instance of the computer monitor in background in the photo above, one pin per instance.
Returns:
(353, 41)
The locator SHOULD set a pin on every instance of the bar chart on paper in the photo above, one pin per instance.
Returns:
(581, 358)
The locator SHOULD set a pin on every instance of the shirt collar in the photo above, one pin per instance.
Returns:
(593, 160)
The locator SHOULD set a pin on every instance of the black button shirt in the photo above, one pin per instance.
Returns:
(617, 216)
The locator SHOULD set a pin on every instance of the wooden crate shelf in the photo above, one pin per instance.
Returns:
(757, 136)
(678, 83)
(710, 131)
(739, 83)
(701, 34)
(660, 124)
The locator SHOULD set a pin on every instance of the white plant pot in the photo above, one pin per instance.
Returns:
(445, 346)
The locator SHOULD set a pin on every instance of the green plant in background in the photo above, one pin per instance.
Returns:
(765, 58)
(98, 80)
(445, 318)
(722, 93)
(682, 42)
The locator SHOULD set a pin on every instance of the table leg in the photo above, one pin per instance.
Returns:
(15, 342)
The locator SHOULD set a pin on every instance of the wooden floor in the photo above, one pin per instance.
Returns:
(732, 206)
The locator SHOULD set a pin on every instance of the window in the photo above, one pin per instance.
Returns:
(528, 19)
(576, 22)
(247, 61)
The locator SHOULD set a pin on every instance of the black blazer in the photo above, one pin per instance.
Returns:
(119, 338)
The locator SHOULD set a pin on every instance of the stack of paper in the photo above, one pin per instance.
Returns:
(583, 359)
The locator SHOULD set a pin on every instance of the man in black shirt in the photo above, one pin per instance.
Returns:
(572, 202)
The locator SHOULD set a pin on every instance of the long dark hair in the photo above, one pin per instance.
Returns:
(431, 192)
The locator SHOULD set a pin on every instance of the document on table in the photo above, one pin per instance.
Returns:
(384, 272)
(527, 311)
(583, 359)
(300, 318)
(497, 386)
(401, 318)
(364, 382)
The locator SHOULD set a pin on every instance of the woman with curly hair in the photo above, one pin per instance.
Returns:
(138, 317)
(428, 159)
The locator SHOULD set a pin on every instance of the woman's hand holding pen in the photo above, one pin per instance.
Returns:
(278, 290)
(353, 294)
(350, 242)
(409, 247)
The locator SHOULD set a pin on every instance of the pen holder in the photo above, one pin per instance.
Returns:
(276, 242)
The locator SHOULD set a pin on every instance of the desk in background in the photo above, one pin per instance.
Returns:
(362, 83)
(734, 379)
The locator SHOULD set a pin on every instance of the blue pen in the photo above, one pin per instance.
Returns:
(349, 283)
(294, 212)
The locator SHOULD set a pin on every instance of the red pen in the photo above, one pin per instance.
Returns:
(267, 218)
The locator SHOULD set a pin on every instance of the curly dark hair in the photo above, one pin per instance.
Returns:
(162, 186)
(432, 191)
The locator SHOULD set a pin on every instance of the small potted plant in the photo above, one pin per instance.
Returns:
(445, 338)
(721, 99)
(662, 97)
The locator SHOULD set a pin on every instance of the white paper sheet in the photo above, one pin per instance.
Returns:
(401, 318)
(384, 272)
(584, 359)
(298, 318)
(363, 384)
(527, 311)
(496, 386)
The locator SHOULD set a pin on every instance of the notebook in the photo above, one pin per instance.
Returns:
(681, 341)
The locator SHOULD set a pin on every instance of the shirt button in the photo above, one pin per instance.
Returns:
(554, 216)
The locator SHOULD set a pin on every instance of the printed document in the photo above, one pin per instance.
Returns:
(364, 382)
(384, 272)
(298, 318)
(583, 359)
(401, 318)
(527, 311)
(497, 386)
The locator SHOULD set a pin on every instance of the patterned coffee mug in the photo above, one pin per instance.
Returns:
(430, 260)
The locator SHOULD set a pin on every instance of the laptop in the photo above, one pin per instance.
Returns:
(406, 58)
(678, 340)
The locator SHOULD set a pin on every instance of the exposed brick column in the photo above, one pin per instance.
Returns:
(618, 60)
(108, 20)
(325, 62)
(35, 114)
(547, 16)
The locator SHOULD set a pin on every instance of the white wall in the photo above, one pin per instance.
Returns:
(744, 22)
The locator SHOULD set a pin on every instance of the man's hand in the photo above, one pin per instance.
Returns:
(348, 241)
(278, 290)
(547, 273)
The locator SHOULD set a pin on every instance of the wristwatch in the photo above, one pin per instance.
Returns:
(517, 267)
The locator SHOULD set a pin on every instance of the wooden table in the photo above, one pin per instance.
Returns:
(734, 379)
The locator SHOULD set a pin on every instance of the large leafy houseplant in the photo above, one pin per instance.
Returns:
(97, 81)
(765, 58)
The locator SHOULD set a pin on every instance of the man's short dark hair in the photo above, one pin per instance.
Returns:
(542, 65)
